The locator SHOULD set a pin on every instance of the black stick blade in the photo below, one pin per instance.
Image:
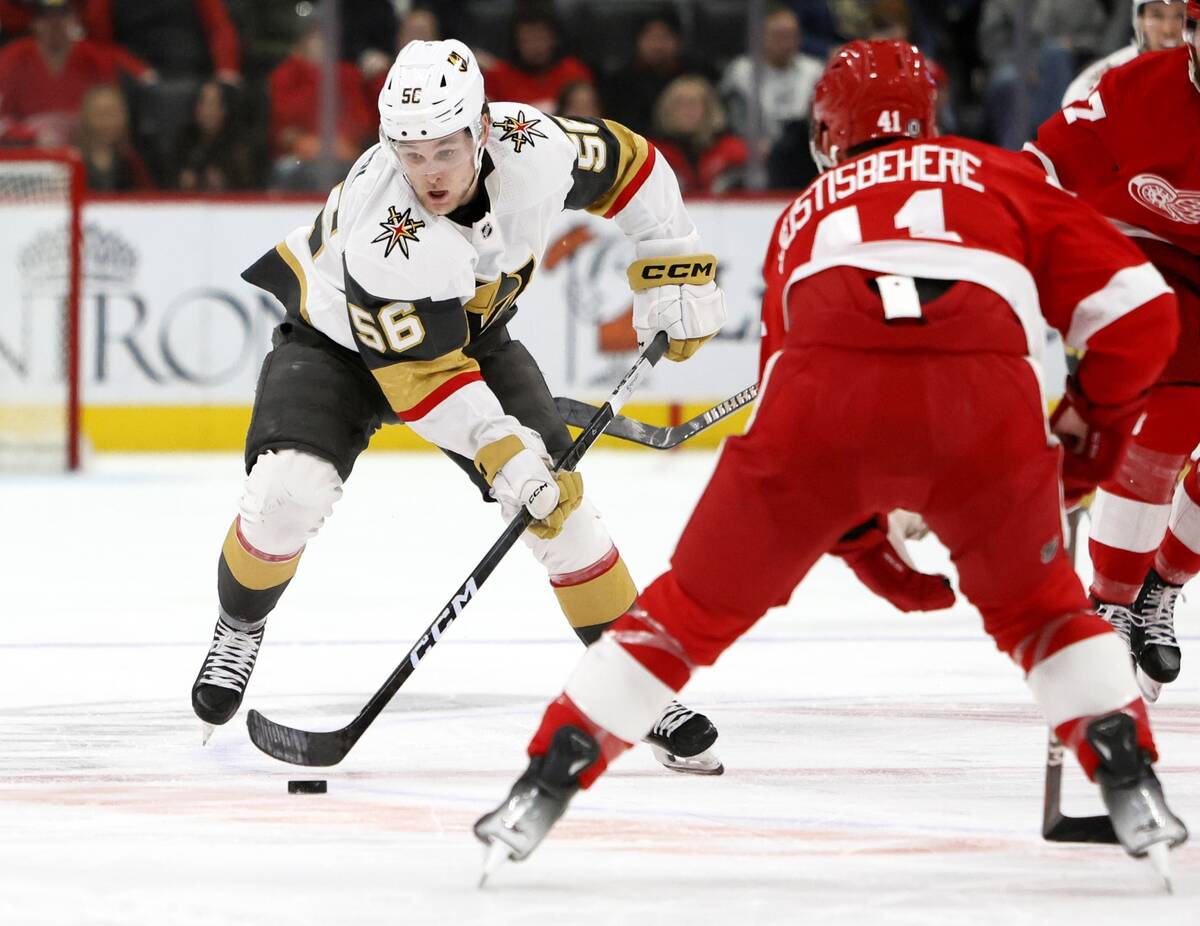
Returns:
(1080, 829)
(1057, 826)
(299, 747)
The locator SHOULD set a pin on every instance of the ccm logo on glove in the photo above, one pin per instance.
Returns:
(692, 269)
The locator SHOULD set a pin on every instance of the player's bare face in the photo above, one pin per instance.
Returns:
(1162, 24)
(441, 170)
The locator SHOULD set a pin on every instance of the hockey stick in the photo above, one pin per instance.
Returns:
(1056, 826)
(577, 414)
(329, 747)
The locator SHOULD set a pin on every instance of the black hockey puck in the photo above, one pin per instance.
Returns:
(308, 787)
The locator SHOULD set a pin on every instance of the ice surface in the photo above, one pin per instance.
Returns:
(881, 768)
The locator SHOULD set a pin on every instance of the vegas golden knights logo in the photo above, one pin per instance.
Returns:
(458, 61)
(399, 229)
(493, 298)
(520, 131)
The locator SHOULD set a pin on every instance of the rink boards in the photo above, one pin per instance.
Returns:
(173, 338)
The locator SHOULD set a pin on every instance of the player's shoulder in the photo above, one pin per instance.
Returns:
(1002, 173)
(1146, 77)
(990, 157)
(1089, 78)
(530, 149)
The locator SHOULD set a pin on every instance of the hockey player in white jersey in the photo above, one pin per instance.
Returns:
(1157, 25)
(398, 298)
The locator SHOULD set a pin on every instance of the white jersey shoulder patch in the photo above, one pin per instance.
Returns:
(533, 156)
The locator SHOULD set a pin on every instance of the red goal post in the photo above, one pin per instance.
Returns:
(41, 275)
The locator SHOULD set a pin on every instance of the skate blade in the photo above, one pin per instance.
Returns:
(498, 853)
(1159, 855)
(703, 763)
(1150, 688)
(206, 732)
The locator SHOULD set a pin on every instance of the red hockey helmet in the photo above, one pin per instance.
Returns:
(872, 90)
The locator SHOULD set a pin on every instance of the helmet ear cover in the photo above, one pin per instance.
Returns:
(871, 91)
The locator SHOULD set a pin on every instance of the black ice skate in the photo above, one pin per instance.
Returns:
(217, 692)
(681, 741)
(1156, 648)
(1122, 619)
(1143, 823)
(515, 828)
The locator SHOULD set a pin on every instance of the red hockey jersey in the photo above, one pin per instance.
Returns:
(956, 210)
(1129, 150)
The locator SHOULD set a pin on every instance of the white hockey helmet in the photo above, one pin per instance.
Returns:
(433, 89)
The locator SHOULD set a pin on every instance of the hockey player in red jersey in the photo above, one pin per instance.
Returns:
(1128, 151)
(916, 275)
(875, 550)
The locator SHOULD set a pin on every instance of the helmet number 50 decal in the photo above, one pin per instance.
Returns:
(401, 329)
(593, 155)
(410, 95)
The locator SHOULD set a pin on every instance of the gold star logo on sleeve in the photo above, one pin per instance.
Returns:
(399, 229)
(520, 130)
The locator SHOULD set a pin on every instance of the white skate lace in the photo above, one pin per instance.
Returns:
(231, 657)
(1158, 625)
(1120, 618)
(674, 717)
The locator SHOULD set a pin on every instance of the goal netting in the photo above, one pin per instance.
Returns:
(40, 274)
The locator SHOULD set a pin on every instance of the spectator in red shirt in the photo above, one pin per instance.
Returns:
(102, 136)
(539, 70)
(294, 89)
(690, 134)
(44, 76)
(192, 39)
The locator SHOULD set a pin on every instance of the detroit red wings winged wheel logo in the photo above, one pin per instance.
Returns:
(520, 131)
(399, 229)
(1157, 195)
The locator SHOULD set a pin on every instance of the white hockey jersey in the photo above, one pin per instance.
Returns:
(412, 291)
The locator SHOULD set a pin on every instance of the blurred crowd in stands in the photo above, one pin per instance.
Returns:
(224, 95)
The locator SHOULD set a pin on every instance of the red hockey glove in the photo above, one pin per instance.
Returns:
(883, 569)
(1094, 439)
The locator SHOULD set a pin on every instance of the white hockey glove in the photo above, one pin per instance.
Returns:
(674, 291)
(517, 469)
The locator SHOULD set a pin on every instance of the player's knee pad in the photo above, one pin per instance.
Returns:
(703, 631)
(583, 540)
(287, 497)
(590, 580)
(1148, 475)
(1011, 620)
